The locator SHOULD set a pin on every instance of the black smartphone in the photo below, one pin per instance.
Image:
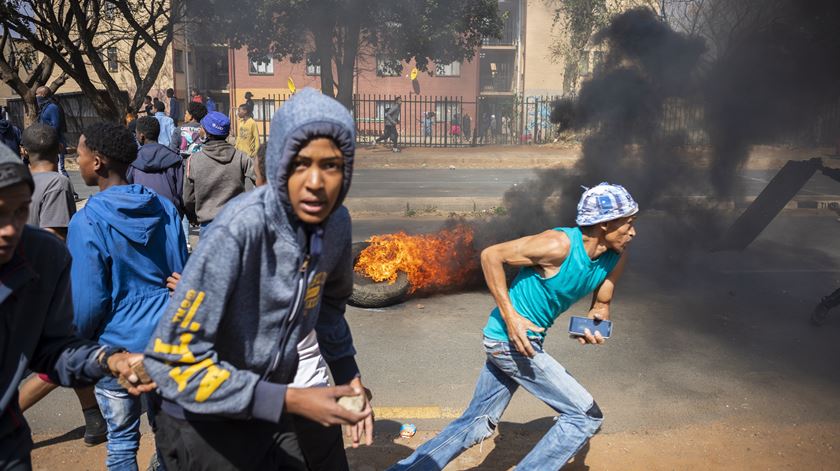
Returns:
(577, 324)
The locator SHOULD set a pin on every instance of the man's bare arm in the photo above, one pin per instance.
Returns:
(547, 251)
(601, 299)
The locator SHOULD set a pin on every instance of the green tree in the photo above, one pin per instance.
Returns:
(335, 32)
(75, 36)
(575, 22)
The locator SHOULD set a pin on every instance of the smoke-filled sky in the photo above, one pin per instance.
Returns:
(773, 82)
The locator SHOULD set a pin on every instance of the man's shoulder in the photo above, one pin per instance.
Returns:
(51, 181)
(38, 245)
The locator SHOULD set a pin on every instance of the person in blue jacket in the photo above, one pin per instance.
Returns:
(273, 269)
(157, 167)
(49, 112)
(167, 125)
(125, 241)
(37, 329)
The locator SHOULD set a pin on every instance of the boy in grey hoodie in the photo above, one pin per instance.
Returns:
(215, 174)
(274, 266)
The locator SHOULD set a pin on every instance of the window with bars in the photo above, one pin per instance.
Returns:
(113, 65)
(313, 65)
(386, 67)
(261, 66)
(264, 109)
(453, 69)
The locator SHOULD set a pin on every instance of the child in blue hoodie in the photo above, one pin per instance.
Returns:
(124, 242)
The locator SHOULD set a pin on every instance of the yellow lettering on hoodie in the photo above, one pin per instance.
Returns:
(185, 304)
(182, 376)
(211, 381)
(198, 300)
(183, 349)
(313, 291)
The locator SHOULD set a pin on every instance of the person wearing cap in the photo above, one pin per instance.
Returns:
(215, 174)
(558, 267)
(249, 102)
(236, 356)
(37, 331)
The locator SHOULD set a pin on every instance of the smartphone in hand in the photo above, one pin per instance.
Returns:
(578, 324)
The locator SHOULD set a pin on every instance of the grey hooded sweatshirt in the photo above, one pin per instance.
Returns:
(258, 282)
(215, 175)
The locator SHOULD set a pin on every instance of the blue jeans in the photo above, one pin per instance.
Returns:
(504, 371)
(122, 413)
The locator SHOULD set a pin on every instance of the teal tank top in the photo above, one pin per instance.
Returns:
(542, 300)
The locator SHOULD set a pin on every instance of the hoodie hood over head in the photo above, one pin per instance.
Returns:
(306, 116)
(132, 210)
(155, 157)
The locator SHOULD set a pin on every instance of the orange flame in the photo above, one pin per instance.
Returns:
(430, 261)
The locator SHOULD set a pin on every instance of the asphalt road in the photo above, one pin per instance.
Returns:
(697, 337)
(431, 183)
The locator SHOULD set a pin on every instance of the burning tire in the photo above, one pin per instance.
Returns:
(368, 293)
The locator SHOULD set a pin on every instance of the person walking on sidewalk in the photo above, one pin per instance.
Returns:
(558, 267)
(392, 119)
(37, 331)
(216, 174)
(273, 272)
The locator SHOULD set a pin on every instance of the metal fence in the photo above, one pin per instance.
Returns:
(440, 121)
(78, 113)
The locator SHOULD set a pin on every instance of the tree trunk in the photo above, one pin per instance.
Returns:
(346, 68)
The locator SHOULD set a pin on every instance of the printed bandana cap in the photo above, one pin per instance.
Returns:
(604, 202)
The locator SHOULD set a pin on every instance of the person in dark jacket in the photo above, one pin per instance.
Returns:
(273, 270)
(125, 241)
(49, 112)
(157, 167)
(10, 135)
(174, 106)
(37, 330)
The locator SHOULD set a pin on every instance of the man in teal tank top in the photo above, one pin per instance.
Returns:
(558, 267)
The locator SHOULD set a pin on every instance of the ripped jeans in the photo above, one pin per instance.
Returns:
(504, 371)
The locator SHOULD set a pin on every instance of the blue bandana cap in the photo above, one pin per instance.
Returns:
(216, 123)
(603, 203)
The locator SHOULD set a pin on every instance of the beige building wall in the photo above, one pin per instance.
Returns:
(545, 72)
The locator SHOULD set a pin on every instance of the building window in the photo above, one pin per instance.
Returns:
(113, 66)
(388, 67)
(178, 61)
(189, 58)
(262, 66)
(313, 65)
(453, 69)
(264, 109)
(110, 10)
(446, 110)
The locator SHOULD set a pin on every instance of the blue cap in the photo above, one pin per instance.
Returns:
(216, 123)
(603, 203)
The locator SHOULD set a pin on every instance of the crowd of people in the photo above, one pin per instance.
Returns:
(230, 346)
